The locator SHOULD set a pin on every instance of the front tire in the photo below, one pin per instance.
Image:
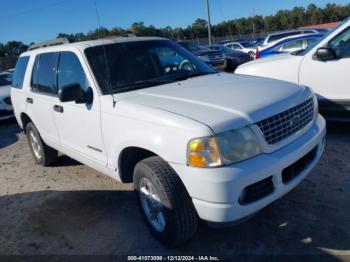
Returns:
(42, 153)
(164, 201)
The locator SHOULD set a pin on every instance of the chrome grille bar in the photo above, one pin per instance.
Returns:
(285, 124)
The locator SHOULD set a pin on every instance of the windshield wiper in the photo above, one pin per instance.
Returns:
(142, 84)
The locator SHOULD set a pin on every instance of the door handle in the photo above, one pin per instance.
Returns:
(29, 100)
(58, 108)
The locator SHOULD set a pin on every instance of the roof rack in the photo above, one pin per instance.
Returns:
(57, 41)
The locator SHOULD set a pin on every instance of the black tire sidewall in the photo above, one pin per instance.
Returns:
(31, 128)
(169, 232)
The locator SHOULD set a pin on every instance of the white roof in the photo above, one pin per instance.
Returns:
(85, 44)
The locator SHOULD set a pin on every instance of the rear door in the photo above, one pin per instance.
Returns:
(17, 92)
(78, 125)
(42, 94)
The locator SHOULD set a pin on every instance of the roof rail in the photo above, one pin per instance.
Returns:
(57, 41)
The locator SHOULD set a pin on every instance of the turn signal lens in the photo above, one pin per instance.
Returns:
(204, 152)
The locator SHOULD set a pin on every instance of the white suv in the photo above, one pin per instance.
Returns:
(195, 143)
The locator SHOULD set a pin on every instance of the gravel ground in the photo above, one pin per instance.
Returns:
(71, 209)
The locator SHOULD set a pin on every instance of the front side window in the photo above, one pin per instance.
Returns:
(122, 67)
(70, 71)
(44, 73)
(20, 69)
(341, 44)
(235, 46)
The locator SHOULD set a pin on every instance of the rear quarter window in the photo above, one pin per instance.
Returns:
(44, 73)
(20, 70)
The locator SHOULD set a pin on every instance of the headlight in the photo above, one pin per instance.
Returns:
(223, 149)
(205, 58)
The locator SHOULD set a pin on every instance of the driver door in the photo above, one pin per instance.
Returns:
(330, 79)
(79, 126)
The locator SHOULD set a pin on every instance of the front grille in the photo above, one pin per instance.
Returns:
(8, 101)
(220, 63)
(292, 171)
(6, 113)
(257, 191)
(283, 125)
(215, 56)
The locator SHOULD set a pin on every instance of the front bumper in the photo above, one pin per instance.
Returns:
(216, 192)
(218, 65)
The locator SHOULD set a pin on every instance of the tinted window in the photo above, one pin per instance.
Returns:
(235, 46)
(341, 44)
(128, 66)
(273, 38)
(18, 75)
(44, 73)
(70, 71)
(293, 45)
(190, 46)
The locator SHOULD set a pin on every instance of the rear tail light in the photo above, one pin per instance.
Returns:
(257, 54)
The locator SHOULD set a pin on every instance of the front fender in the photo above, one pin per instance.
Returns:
(164, 133)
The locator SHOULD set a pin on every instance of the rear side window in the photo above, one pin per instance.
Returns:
(44, 73)
(18, 76)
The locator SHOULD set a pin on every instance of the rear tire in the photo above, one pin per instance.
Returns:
(164, 201)
(251, 53)
(42, 153)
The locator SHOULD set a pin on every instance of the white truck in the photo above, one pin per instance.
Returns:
(324, 66)
(197, 144)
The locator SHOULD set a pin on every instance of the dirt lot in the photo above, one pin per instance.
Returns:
(71, 209)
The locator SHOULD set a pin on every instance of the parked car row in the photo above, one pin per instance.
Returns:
(323, 66)
(6, 110)
(289, 45)
(277, 42)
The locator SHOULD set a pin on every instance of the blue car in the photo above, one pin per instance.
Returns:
(289, 45)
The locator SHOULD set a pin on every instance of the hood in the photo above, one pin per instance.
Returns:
(281, 67)
(222, 101)
(5, 91)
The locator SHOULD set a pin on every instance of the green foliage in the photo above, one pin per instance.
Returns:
(283, 19)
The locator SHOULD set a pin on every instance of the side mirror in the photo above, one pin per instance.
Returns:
(325, 53)
(74, 92)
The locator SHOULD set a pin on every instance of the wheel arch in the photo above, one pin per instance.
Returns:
(25, 119)
(127, 160)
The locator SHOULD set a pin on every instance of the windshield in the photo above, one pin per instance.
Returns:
(223, 49)
(128, 66)
(190, 46)
(5, 79)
